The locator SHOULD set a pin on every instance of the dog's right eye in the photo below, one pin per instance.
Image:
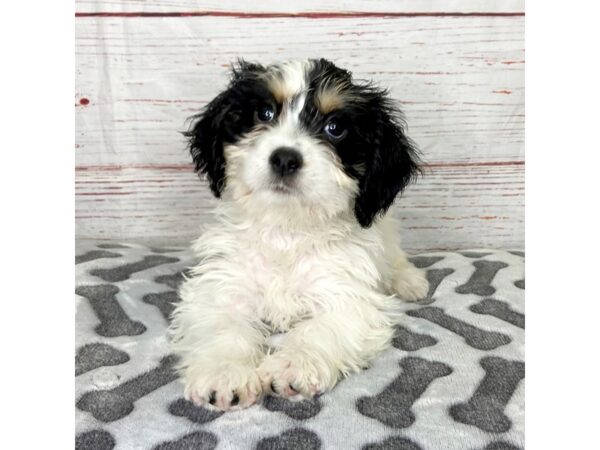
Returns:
(265, 113)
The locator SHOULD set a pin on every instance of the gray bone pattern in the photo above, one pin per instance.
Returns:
(198, 440)
(485, 409)
(196, 414)
(113, 320)
(296, 410)
(433, 389)
(480, 282)
(111, 405)
(111, 245)
(173, 280)
(425, 261)
(121, 273)
(501, 445)
(474, 255)
(95, 440)
(165, 302)
(393, 443)
(407, 340)
(499, 309)
(475, 337)
(92, 356)
(435, 278)
(393, 405)
(297, 438)
(95, 254)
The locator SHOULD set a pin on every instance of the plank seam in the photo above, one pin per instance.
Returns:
(299, 15)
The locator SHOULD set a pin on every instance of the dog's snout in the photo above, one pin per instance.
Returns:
(285, 161)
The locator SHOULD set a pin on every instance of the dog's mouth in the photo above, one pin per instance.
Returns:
(282, 188)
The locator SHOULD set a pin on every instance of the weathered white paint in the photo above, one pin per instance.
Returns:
(451, 207)
(460, 80)
(465, 6)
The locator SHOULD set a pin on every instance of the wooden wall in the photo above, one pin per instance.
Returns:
(143, 67)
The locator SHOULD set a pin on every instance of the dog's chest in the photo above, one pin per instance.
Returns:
(289, 276)
(282, 268)
(283, 273)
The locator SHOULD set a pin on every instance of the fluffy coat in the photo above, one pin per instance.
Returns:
(309, 253)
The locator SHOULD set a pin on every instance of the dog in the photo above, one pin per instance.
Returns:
(305, 161)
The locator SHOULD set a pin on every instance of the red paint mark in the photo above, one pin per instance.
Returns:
(301, 15)
(486, 183)
(492, 104)
(432, 73)
(351, 33)
(103, 193)
(475, 164)
(137, 166)
(84, 101)
(503, 91)
(126, 181)
(165, 100)
(513, 62)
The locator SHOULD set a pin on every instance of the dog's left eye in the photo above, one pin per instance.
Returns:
(335, 130)
(265, 113)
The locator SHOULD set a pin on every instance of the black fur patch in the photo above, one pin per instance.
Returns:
(375, 150)
(224, 120)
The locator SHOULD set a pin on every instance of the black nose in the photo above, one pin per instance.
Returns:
(285, 161)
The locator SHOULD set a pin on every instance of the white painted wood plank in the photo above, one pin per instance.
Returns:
(298, 6)
(454, 206)
(460, 80)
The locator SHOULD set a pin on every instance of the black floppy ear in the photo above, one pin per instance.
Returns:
(223, 120)
(391, 163)
(206, 142)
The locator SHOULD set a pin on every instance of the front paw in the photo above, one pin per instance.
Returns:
(223, 387)
(411, 284)
(294, 376)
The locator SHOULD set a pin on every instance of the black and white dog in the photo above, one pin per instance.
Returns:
(306, 161)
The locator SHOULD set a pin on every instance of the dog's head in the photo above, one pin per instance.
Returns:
(306, 137)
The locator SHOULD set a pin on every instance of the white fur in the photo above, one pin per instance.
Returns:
(329, 289)
(294, 261)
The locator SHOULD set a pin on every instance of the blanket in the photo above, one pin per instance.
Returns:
(453, 378)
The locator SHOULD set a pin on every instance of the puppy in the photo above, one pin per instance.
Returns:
(306, 161)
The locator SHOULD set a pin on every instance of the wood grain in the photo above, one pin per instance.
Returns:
(460, 81)
(452, 206)
(368, 6)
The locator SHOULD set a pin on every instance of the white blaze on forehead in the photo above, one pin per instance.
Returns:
(288, 84)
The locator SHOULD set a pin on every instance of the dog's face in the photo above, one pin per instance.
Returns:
(304, 137)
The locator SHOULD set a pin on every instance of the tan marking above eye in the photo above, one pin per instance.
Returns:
(329, 100)
(278, 89)
(281, 90)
